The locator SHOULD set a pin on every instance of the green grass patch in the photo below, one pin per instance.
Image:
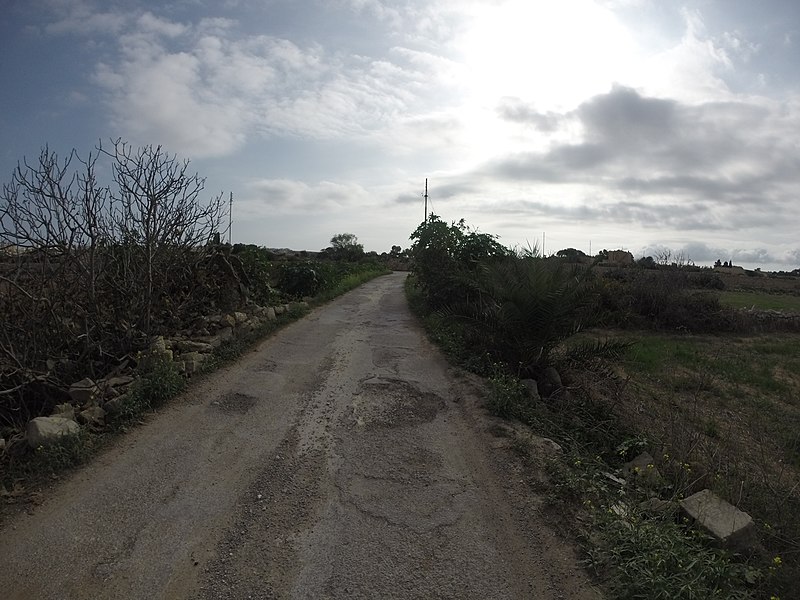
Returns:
(673, 386)
(350, 282)
(760, 301)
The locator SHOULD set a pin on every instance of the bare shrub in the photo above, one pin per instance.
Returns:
(90, 270)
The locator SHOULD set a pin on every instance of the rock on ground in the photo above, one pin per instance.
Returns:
(45, 431)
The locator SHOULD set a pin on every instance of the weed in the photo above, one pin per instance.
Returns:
(70, 451)
(509, 398)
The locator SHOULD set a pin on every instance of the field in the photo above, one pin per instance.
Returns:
(725, 413)
(761, 301)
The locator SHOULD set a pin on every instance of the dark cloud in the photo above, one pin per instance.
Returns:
(662, 164)
(625, 120)
(517, 111)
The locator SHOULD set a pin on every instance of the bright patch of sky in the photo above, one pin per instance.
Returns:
(633, 124)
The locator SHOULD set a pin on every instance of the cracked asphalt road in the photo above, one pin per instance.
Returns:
(342, 458)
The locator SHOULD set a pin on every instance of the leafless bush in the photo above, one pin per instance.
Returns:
(91, 269)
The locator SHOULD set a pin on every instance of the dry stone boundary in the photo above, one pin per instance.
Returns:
(92, 401)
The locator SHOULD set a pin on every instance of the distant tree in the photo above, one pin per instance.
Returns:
(396, 251)
(647, 262)
(345, 246)
(571, 255)
(664, 256)
(718, 263)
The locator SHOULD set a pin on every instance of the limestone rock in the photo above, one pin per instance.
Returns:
(643, 470)
(279, 310)
(533, 389)
(85, 392)
(193, 346)
(65, 411)
(240, 317)
(44, 431)
(93, 416)
(228, 321)
(118, 381)
(731, 527)
(192, 362)
(549, 383)
(158, 345)
(115, 405)
(271, 314)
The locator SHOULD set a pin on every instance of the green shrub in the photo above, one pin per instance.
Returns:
(522, 308)
(661, 300)
(508, 397)
(300, 279)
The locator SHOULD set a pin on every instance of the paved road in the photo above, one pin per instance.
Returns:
(342, 458)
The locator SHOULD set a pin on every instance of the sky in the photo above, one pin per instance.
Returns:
(641, 125)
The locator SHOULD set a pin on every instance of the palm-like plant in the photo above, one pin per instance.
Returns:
(522, 307)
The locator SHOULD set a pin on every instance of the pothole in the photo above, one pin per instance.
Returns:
(393, 403)
(234, 403)
(265, 366)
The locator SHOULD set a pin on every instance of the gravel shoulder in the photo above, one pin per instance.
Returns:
(342, 458)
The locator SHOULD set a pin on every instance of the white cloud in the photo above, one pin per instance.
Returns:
(149, 23)
(83, 20)
(203, 91)
(692, 69)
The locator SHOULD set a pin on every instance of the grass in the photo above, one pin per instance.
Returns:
(730, 407)
(760, 301)
(721, 412)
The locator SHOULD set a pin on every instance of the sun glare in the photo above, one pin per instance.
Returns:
(548, 55)
(551, 54)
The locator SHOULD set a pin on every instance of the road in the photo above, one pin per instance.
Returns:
(342, 458)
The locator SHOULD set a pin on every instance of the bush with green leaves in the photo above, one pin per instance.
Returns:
(345, 246)
(522, 307)
(661, 300)
(299, 279)
(256, 263)
(442, 254)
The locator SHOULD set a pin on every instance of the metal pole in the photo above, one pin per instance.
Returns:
(230, 218)
(426, 199)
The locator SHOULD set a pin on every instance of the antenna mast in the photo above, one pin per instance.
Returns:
(426, 200)
(230, 218)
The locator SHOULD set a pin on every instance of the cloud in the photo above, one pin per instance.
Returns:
(265, 197)
(702, 253)
(517, 111)
(79, 17)
(204, 89)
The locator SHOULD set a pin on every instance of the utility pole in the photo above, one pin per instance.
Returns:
(230, 218)
(426, 200)
(543, 252)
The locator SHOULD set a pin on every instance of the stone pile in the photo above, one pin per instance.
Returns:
(92, 401)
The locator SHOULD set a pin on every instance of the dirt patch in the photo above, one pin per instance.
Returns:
(235, 402)
(394, 403)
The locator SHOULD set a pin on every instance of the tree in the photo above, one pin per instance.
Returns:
(99, 267)
(571, 255)
(157, 209)
(647, 262)
(345, 246)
